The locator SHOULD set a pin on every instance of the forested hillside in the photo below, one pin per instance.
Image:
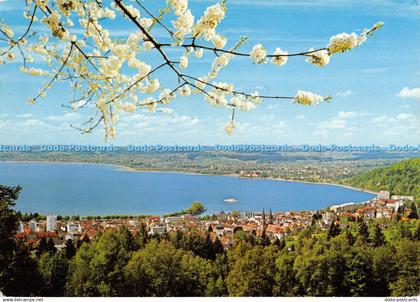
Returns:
(402, 178)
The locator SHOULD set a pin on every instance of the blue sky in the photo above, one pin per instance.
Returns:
(365, 82)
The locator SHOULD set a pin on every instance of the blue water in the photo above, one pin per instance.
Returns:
(90, 189)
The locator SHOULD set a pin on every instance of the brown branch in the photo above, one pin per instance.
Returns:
(156, 19)
(237, 92)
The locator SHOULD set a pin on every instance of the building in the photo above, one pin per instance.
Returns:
(51, 223)
(173, 219)
(73, 227)
(341, 207)
(157, 229)
(402, 197)
(33, 225)
(21, 228)
(394, 204)
(384, 195)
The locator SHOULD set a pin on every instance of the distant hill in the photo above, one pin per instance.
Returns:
(402, 178)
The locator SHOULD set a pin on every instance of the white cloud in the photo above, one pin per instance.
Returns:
(344, 94)
(333, 123)
(280, 127)
(338, 122)
(275, 106)
(300, 117)
(379, 119)
(406, 93)
(25, 115)
(373, 70)
(157, 122)
(31, 123)
(349, 114)
(406, 117)
(68, 117)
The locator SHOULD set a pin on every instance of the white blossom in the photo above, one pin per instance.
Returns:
(166, 96)
(34, 71)
(148, 45)
(307, 98)
(8, 31)
(10, 56)
(151, 87)
(111, 72)
(30, 101)
(258, 54)
(255, 98)
(183, 24)
(183, 62)
(343, 42)
(134, 39)
(230, 127)
(128, 107)
(185, 90)
(219, 41)
(281, 58)
(207, 24)
(318, 58)
(179, 6)
(199, 53)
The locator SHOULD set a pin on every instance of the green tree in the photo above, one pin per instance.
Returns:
(413, 211)
(51, 246)
(97, 269)
(18, 272)
(217, 246)
(159, 269)
(253, 274)
(377, 237)
(53, 269)
(359, 275)
(69, 249)
(403, 229)
(41, 247)
(285, 280)
(320, 267)
(408, 266)
(334, 230)
(363, 231)
(384, 270)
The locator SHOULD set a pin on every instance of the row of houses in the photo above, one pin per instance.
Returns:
(222, 226)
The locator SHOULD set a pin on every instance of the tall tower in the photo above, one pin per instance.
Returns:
(264, 224)
(51, 223)
(270, 217)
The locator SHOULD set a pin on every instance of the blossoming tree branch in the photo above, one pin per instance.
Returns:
(110, 75)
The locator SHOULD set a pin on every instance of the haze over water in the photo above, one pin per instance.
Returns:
(93, 189)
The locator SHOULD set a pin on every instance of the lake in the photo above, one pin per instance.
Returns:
(94, 189)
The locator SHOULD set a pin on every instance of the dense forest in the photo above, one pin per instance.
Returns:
(364, 259)
(402, 178)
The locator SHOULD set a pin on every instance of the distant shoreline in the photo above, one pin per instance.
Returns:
(133, 170)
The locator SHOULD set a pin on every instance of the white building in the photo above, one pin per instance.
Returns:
(173, 219)
(73, 227)
(402, 197)
(342, 206)
(21, 228)
(394, 204)
(383, 195)
(157, 229)
(51, 223)
(33, 225)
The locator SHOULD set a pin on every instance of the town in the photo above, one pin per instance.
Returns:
(221, 226)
